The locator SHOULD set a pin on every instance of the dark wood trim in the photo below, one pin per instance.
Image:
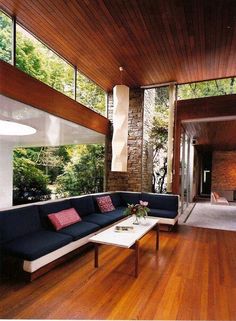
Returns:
(13, 41)
(176, 153)
(217, 106)
(17, 85)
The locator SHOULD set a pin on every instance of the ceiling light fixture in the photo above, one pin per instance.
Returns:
(120, 127)
(9, 128)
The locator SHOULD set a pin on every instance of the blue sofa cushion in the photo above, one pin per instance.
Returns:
(116, 199)
(52, 207)
(99, 219)
(118, 214)
(162, 213)
(34, 245)
(84, 205)
(130, 198)
(163, 202)
(80, 229)
(19, 221)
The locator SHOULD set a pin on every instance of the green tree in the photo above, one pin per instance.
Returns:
(84, 175)
(215, 87)
(42, 63)
(34, 58)
(5, 37)
(159, 137)
(90, 94)
(29, 182)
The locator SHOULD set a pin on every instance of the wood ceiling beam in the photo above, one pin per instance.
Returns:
(217, 106)
(18, 85)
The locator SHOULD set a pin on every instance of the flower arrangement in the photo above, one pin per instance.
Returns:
(139, 210)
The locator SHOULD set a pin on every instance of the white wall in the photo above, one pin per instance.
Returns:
(6, 174)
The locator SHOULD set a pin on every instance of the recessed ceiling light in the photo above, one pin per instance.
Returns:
(9, 128)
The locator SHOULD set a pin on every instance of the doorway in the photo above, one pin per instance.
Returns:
(206, 170)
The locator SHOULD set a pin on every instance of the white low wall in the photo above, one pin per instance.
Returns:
(6, 174)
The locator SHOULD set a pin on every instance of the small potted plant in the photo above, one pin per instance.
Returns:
(138, 210)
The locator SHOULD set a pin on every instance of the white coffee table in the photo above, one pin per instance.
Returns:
(129, 239)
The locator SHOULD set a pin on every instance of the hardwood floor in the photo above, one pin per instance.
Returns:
(191, 277)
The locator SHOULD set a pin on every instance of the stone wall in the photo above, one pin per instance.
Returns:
(223, 170)
(136, 174)
(132, 179)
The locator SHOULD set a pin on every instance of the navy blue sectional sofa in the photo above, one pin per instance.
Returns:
(27, 234)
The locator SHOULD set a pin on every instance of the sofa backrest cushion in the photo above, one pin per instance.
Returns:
(18, 222)
(161, 201)
(84, 205)
(130, 198)
(52, 207)
(116, 199)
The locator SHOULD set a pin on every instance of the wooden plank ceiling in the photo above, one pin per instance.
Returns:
(215, 135)
(156, 41)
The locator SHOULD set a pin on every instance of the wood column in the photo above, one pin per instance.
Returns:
(176, 165)
(170, 136)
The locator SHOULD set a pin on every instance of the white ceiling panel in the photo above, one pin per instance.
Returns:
(50, 130)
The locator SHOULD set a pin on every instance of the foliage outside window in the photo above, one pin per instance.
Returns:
(5, 38)
(40, 62)
(90, 95)
(159, 137)
(215, 87)
(83, 174)
(29, 182)
(41, 173)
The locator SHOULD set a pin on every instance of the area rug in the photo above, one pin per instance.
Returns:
(222, 217)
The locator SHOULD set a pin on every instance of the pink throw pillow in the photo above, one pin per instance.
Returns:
(64, 218)
(105, 204)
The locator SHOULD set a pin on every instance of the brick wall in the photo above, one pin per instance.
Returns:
(224, 170)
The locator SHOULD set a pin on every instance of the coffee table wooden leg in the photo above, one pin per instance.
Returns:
(136, 258)
(96, 255)
(157, 236)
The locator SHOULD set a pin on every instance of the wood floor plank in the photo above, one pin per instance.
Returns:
(191, 277)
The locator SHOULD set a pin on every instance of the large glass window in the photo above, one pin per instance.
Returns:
(158, 134)
(42, 63)
(90, 95)
(42, 173)
(215, 87)
(5, 37)
(39, 61)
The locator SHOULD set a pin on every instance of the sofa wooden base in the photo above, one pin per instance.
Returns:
(52, 265)
(13, 268)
